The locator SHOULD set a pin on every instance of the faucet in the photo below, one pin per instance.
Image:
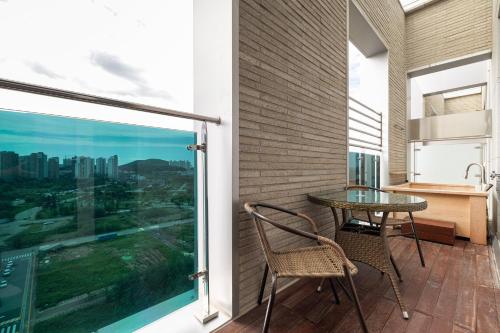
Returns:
(483, 172)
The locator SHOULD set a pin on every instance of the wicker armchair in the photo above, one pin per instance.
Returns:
(392, 223)
(325, 260)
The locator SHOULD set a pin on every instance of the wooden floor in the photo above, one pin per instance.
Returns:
(457, 291)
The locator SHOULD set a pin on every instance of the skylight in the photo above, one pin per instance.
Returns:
(409, 5)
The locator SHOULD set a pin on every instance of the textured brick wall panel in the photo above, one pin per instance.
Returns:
(293, 112)
(446, 30)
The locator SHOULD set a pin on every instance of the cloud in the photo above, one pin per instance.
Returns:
(42, 70)
(115, 66)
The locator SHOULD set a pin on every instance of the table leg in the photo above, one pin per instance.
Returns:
(389, 267)
(336, 219)
(372, 250)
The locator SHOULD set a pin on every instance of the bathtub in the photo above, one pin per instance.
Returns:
(464, 205)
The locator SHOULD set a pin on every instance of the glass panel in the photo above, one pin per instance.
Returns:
(364, 169)
(446, 163)
(372, 174)
(97, 223)
(353, 168)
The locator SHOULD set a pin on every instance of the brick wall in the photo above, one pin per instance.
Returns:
(293, 112)
(388, 19)
(292, 115)
(446, 30)
(463, 104)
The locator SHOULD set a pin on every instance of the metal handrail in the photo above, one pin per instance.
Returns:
(99, 100)
(365, 141)
(364, 147)
(375, 117)
(364, 132)
(365, 115)
(379, 128)
(364, 105)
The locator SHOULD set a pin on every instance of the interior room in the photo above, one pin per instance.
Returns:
(249, 166)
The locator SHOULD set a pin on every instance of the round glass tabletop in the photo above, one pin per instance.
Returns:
(369, 200)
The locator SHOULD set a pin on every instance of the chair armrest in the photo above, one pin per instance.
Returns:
(294, 231)
(311, 222)
(335, 247)
(284, 210)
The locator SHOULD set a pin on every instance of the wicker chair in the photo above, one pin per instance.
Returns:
(325, 260)
(392, 223)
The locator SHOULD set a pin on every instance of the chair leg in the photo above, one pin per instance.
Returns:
(356, 299)
(270, 304)
(416, 239)
(346, 292)
(263, 285)
(320, 286)
(396, 268)
(399, 298)
(337, 300)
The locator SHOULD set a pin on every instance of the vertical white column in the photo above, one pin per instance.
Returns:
(216, 94)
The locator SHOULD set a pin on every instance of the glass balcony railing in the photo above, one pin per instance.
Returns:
(364, 169)
(97, 223)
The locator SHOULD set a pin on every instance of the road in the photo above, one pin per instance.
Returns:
(15, 299)
(93, 238)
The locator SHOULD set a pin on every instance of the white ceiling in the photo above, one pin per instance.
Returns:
(362, 35)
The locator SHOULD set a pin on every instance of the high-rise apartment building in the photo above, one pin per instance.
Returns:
(100, 167)
(53, 166)
(9, 165)
(112, 167)
(34, 166)
(84, 167)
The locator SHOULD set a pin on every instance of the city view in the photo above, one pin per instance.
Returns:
(96, 223)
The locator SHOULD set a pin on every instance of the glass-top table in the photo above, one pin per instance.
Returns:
(367, 241)
(375, 201)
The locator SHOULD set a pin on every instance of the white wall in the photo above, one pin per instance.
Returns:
(495, 105)
(374, 92)
(216, 94)
(417, 101)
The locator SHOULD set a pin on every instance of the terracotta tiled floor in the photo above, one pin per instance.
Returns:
(457, 291)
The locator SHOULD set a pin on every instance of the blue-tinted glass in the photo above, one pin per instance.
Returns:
(97, 224)
(364, 169)
(353, 168)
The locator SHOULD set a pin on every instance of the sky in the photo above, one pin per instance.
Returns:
(140, 51)
(65, 137)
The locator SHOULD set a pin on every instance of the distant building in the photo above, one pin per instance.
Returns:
(23, 166)
(84, 167)
(68, 166)
(9, 165)
(53, 166)
(100, 167)
(34, 166)
(112, 167)
(181, 164)
(40, 163)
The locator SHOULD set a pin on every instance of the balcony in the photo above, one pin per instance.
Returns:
(143, 148)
